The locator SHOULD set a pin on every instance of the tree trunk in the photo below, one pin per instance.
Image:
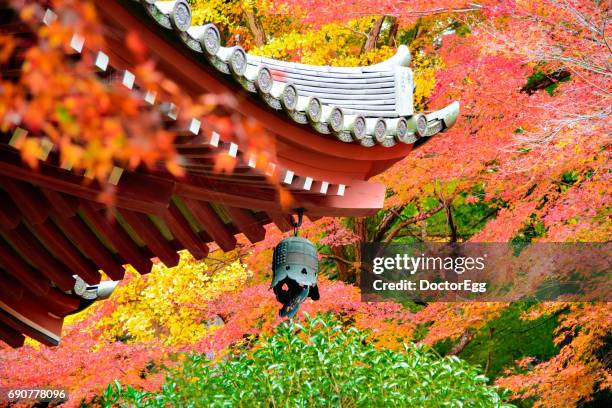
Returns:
(490, 352)
(465, 338)
(373, 35)
(362, 232)
(447, 203)
(343, 268)
(255, 26)
(451, 222)
(423, 228)
(393, 31)
(386, 221)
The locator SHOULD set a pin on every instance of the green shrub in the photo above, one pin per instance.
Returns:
(318, 364)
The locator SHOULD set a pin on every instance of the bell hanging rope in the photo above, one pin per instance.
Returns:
(294, 265)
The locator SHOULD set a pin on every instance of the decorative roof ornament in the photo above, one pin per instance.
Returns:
(314, 109)
(91, 293)
(264, 81)
(336, 120)
(370, 105)
(210, 38)
(181, 15)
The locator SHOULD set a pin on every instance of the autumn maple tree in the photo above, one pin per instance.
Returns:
(529, 161)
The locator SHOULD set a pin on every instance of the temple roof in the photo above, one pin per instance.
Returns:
(368, 105)
(332, 129)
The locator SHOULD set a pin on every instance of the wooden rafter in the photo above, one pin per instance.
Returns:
(11, 336)
(26, 243)
(117, 236)
(9, 217)
(282, 221)
(248, 224)
(22, 271)
(63, 249)
(65, 206)
(10, 286)
(34, 208)
(78, 231)
(149, 233)
(207, 217)
(183, 232)
(59, 303)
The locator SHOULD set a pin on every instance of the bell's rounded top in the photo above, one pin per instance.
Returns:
(295, 258)
(293, 240)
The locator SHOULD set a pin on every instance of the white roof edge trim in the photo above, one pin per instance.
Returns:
(396, 69)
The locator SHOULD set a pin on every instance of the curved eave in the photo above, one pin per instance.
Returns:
(199, 71)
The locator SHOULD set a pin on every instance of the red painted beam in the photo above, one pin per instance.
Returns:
(65, 206)
(87, 241)
(362, 198)
(29, 246)
(11, 336)
(64, 250)
(36, 317)
(238, 195)
(117, 236)
(29, 317)
(34, 207)
(204, 236)
(282, 221)
(135, 191)
(149, 233)
(212, 224)
(231, 192)
(10, 217)
(184, 234)
(248, 224)
(10, 286)
(59, 303)
(17, 267)
(54, 301)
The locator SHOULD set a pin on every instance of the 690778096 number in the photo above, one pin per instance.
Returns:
(8, 394)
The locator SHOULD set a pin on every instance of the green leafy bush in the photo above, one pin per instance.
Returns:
(318, 364)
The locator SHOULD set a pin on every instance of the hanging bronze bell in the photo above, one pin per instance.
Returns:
(294, 265)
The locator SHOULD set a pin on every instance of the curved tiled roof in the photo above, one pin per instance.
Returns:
(368, 105)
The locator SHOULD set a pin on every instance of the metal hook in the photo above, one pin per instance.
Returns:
(297, 224)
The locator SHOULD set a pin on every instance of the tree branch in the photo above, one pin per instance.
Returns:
(411, 220)
(390, 216)
(337, 258)
(432, 12)
(373, 35)
(255, 26)
(451, 223)
(546, 81)
(465, 338)
(393, 31)
(355, 31)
